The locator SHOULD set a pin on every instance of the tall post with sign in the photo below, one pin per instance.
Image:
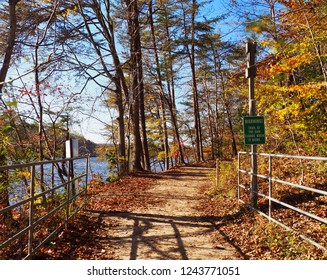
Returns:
(250, 74)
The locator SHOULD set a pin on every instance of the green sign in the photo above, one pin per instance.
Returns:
(254, 130)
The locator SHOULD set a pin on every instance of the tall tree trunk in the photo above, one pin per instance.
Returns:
(136, 62)
(10, 42)
(39, 115)
(122, 160)
(138, 151)
(41, 133)
(210, 117)
(171, 91)
(220, 75)
(138, 54)
(229, 116)
(119, 80)
(196, 113)
(4, 195)
(121, 89)
(146, 156)
(161, 89)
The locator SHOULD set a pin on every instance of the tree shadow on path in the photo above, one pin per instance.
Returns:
(145, 232)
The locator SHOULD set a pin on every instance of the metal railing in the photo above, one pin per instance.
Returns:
(53, 195)
(267, 192)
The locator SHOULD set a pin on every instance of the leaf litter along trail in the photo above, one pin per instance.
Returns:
(162, 221)
(173, 215)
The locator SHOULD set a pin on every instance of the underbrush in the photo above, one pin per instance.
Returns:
(250, 233)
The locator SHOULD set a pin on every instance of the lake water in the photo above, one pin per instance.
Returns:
(18, 191)
(101, 167)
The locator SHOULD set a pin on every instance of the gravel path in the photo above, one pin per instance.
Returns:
(169, 226)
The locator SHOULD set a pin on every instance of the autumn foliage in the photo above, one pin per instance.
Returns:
(175, 92)
(292, 77)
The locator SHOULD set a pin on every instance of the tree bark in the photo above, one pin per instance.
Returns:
(118, 78)
(4, 195)
(220, 74)
(161, 89)
(191, 54)
(136, 63)
(10, 42)
(171, 98)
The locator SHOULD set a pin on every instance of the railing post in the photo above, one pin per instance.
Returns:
(31, 212)
(270, 184)
(87, 174)
(52, 175)
(69, 181)
(52, 179)
(238, 176)
(217, 172)
(254, 178)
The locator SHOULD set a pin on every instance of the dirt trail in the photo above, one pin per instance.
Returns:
(170, 226)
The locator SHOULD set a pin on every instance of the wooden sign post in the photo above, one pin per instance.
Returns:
(250, 74)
